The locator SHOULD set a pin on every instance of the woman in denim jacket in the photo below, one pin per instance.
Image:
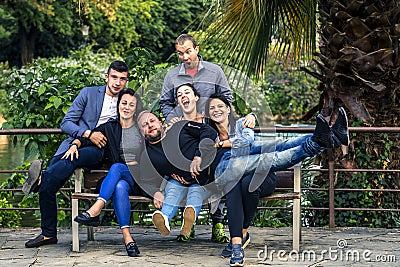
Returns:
(246, 171)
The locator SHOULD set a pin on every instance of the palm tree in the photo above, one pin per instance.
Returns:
(246, 30)
(358, 51)
(357, 60)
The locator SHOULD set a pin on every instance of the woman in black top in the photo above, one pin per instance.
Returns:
(122, 152)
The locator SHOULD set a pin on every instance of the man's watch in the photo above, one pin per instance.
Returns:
(220, 143)
(74, 144)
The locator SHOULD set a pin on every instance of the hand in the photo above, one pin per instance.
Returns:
(249, 122)
(195, 166)
(98, 139)
(179, 179)
(158, 200)
(175, 119)
(73, 150)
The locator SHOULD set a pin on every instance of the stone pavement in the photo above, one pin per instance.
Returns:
(268, 247)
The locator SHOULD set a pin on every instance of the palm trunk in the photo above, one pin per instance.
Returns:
(359, 68)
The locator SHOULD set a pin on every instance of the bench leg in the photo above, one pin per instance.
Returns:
(75, 229)
(296, 224)
(90, 233)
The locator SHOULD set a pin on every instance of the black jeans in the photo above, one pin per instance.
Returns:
(242, 204)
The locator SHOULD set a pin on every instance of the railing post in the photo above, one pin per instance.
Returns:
(75, 208)
(331, 189)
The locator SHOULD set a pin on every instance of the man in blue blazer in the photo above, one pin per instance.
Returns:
(93, 106)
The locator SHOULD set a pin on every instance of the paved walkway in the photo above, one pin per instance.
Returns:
(268, 247)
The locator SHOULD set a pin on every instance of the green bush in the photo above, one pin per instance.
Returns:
(9, 199)
(290, 93)
(40, 94)
(371, 151)
(10, 218)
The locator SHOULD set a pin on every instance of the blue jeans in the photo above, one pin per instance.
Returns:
(269, 156)
(55, 177)
(119, 184)
(175, 193)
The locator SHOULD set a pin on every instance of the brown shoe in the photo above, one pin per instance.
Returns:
(161, 222)
(31, 184)
(189, 217)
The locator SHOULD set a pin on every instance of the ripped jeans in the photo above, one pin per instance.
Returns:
(262, 159)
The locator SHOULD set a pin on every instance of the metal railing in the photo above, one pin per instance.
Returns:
(280, 129)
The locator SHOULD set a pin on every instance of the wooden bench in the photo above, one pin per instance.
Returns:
(89, 180)
(290, 179)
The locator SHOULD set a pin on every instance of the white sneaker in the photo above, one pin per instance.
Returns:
(189, 217)
(161, 222)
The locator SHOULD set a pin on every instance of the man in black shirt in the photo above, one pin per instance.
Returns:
(186, 155)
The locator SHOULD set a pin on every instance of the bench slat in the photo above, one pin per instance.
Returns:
(287, 196)
(94, 196)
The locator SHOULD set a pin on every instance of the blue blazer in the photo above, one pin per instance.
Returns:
(83, 114)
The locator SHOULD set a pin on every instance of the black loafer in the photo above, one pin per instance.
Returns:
(132, 249)
(85, 219)
(40, 241)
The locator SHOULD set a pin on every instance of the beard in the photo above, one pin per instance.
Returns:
(154, 138)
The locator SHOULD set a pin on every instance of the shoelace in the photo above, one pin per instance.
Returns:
(237, 253)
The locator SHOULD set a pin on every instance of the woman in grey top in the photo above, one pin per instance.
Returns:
(122, 151)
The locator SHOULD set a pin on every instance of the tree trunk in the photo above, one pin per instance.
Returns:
(28, 39)
(359, 68)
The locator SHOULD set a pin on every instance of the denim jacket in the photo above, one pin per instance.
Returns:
(241, 138)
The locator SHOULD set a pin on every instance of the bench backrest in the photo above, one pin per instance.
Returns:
(284, 179)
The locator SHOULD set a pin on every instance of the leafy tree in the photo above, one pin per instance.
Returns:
(121, 33)
(33, 17)
(7, 31)
(48, 28)
(179, 16)
(246, 31)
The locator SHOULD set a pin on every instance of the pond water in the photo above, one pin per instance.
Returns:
(10, 156)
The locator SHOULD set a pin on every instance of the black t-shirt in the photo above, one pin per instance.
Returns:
(173, 155)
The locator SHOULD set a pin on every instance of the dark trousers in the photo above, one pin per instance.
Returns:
(55, 177)
(242, 204)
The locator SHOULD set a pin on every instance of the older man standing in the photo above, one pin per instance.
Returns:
(207, 78)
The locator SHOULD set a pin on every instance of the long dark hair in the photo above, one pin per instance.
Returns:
(231, 117)
(139, 103)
